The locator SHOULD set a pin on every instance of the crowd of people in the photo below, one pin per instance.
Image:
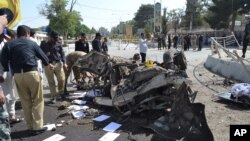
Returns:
(21, 73)
(184, 40)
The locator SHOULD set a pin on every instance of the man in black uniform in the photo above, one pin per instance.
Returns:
(96, 43)
(54, 51)
(21, 53)
(82, 44)
(246, 39)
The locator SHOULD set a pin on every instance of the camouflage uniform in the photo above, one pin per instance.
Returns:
(4, 124)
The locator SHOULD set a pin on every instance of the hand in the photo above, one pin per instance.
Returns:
(50, 66)
(1, 79)
(65, 66)
(2, 98)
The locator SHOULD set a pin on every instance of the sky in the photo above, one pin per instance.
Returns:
(95, 13)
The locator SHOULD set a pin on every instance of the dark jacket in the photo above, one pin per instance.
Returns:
(82, 46)
(96, 45)
(54, 52)
(22, 53)
(104, 46)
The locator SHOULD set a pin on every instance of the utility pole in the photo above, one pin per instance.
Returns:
(154, 16)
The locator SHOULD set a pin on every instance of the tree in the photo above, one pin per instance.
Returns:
(81, 28)
(144, 15)
(218, 17)
(60, 19)
(175, 17)
(164, 22)
(193, 17)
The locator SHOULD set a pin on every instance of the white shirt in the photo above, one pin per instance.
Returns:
(143, 45)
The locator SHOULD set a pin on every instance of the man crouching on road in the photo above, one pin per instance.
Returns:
(21, 53)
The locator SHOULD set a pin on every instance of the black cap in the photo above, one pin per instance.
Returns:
(98, 34)
(54, 35)
(83, 34)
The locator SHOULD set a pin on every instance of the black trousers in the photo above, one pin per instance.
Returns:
(200, 46)
(143, 57)
(245, 43)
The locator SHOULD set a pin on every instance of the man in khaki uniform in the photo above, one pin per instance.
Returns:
(21, 53)
(54, 51)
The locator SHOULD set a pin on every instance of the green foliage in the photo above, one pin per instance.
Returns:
(81, 28)
(144, 15)
(164, 22)
(193, 14)
(175, 17)
(221, 12)
(60, 19)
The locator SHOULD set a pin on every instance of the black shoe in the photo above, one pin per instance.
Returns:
(243, 56)
(39, 131)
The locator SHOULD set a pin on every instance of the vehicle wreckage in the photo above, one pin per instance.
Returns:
(132, 87)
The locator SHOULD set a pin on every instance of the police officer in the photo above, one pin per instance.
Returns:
(246, 39)
(21, 53)
(96, 43)
(54, 51)
(82, 44)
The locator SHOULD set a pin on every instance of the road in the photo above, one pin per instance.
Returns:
(219, 114)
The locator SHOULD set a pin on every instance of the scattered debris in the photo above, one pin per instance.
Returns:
(101, 118)
(79, 102)
(109, 136)
(185, 120)
(56, 137)
(77, 108)
(133, 88)
(78, 114)
(112, 127)
(51, 127)
(63, 105)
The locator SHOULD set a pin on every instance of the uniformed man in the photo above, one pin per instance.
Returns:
(246, 38)
(54, 51)
(82, 44)
(21, 53)
(96, 43)
(4, 117)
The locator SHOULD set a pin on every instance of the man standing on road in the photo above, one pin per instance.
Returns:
(96, 43)
(200, 39)
(21, 53)
(54, 51)
(4, 117)
(82, 44)
(143, 48)
(246, 39)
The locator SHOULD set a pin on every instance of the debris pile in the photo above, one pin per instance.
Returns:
(133, 88)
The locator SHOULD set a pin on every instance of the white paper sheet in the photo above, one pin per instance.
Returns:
(50, 126)
(78, 114)
(56, 137)
(79, 102)
(77, 107)
(109, 136)
(112, 127)
(101, 118)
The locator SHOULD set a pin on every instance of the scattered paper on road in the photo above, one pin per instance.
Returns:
(79, 102)
(78, 95)
(109, 136)
(50, 126)
(56, 137)
(77, 107)
(112, 127)
(78, 114)
(94, 93)
(101, 118)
